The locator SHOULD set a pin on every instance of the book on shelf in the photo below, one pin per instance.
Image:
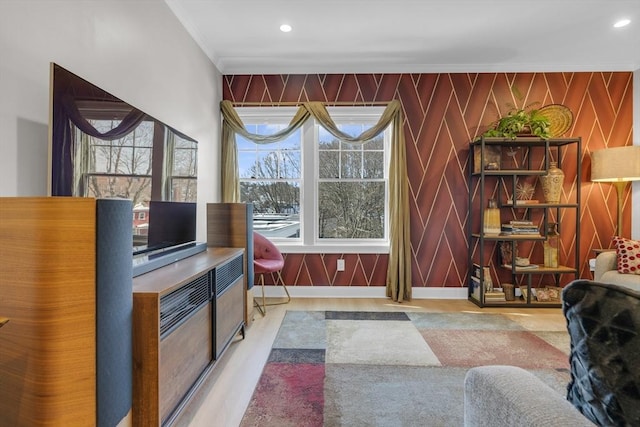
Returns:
(494, 296)
(520, 202)
(477, 270)
(475, 287)
(521, 222)
(522, 267)
(519, 228)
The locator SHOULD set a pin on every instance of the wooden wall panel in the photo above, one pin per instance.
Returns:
(443, 112)
(47, 290)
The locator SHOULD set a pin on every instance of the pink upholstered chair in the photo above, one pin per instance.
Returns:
(267, 259)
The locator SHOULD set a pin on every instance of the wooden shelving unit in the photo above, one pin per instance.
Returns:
(500, 181)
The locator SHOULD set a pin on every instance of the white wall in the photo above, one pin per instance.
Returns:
(136, 50)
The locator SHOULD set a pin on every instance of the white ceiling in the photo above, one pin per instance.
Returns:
(387, 36)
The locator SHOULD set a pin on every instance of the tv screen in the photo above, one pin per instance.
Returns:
(171, 225)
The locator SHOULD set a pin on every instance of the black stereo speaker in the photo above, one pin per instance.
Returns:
(114, 310)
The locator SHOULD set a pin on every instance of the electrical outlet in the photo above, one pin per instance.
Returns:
(340, 265)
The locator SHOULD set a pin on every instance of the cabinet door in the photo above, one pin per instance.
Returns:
(184, 355)
(229, 315)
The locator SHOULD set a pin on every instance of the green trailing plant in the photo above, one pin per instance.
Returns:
(520, 121)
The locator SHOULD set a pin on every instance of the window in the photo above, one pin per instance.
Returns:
(312, 191)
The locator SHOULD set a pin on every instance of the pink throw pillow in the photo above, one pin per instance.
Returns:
(628, 252)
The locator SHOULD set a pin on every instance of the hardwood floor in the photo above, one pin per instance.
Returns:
(222, 399)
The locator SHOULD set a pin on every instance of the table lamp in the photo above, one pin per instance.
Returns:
(619, 166)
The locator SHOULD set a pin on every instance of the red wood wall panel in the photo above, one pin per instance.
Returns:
(443, 112)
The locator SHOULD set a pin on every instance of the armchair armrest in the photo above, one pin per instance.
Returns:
(605, 261)
(510, 396)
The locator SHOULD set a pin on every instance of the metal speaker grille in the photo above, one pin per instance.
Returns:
(227, 274)
(180, 304)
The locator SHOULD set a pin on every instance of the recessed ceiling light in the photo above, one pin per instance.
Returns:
(285, 28)
(622, 23)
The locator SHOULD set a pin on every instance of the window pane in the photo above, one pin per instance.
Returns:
(134, 188)
(129, 155)
(100, 157)
(326, 141)
(329, 164)
(244, 144)
(351, 147)
(277, 225)
(184, 189)
(373, 164)
(185, 157)
(279, 160)
(292, 142)
(276, 206)
(376, 143)
(354, 129)
(185, 162)
(290, 164)
(266, 165)
(351, 210)
(246, 160)
(141, 162)
(351, 164)
(271, 196)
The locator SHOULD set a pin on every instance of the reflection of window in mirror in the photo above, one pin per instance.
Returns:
(124, 167)
(181, 185)
(113, 168)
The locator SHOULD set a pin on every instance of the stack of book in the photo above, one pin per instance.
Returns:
(494, 296)
(519, 228)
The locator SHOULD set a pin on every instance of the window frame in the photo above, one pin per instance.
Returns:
(308, 242)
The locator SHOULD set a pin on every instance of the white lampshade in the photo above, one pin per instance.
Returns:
(616, 164)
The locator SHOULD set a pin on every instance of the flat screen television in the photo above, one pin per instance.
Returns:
(172, 225)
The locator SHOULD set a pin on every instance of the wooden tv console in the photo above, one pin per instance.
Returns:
(184, 317)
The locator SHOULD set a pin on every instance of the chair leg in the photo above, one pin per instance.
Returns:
(281, 280)
(262, 309)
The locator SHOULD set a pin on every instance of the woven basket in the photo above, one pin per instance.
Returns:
(560, 119)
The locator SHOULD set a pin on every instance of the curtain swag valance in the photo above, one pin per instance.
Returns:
(398, 285)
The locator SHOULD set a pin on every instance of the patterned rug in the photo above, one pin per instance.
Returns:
(330, 368)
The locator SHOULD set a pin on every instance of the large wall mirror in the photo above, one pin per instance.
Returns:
(103, 147)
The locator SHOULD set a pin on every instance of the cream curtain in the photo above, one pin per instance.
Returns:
(399, 268)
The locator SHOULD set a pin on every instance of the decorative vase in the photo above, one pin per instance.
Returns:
(552, 183)
(551, 246)
(491, 222)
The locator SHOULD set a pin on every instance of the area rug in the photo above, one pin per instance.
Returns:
(330, 368)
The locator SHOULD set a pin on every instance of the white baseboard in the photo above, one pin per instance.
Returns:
(357, 292)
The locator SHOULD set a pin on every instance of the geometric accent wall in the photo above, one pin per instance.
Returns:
(443, 113)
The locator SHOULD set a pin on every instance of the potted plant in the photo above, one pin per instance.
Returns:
(520, 122)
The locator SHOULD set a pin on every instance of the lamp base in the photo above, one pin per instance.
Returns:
(620, 185)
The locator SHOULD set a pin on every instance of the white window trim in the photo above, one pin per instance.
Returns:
(308, 243)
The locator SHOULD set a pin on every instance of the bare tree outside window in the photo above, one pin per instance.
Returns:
(351, 189)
